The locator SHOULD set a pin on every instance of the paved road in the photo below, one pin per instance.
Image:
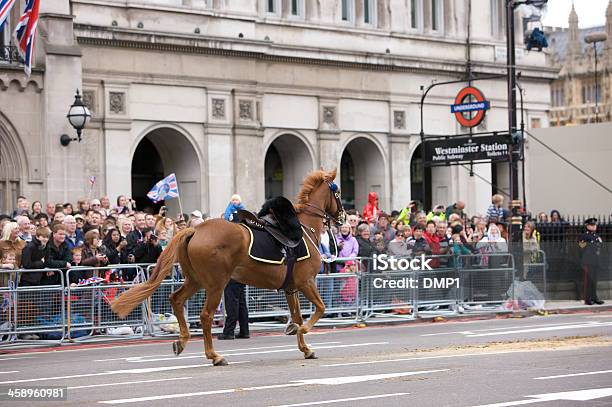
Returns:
(562, 360)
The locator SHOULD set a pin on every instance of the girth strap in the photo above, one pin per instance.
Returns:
(291, 257)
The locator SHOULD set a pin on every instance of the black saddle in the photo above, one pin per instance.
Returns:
(277, 217)
(280, 233)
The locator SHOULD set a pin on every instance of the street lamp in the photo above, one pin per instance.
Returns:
(594, 38)
(77, 116)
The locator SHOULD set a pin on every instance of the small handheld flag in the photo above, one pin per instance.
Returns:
(92, 180)
(167, 188)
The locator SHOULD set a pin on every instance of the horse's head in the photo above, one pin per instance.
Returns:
(334, 206)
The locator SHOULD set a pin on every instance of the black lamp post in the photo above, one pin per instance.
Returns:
(516, 135)
(594, 38)
(77, 116)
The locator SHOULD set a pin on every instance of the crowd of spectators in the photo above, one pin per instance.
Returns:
(95, 233)
(91, 234)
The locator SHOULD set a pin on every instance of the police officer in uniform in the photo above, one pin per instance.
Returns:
(590, 244)
(236, 310)
(235, 293)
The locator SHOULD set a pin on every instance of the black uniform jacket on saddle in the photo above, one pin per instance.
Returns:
(276, 235)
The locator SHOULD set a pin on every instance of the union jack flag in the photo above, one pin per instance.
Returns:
(5, 11)
(92, 180)
(167, 188)
(25, 33)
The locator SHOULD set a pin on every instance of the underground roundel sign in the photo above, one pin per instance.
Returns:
(470, 107)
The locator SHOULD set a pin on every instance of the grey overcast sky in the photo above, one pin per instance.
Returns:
(591, 13)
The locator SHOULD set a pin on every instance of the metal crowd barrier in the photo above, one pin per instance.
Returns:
(88, 305)
(81, 312)
(31, 312)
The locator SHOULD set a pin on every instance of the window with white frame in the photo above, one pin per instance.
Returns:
(296, 8)
(498, 22)
(369, 12)
(436, 14)
(272, 6)
(348, 11)
(416, 13)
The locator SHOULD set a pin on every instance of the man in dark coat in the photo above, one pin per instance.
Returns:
(58, 256)
(148, 250)
(33, 257)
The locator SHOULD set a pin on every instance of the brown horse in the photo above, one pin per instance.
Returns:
(215, 251)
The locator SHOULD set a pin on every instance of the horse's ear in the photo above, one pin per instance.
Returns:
(332, 174)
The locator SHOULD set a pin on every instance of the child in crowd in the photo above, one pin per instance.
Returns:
(8, 262)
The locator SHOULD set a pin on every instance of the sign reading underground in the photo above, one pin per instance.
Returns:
(468, 101)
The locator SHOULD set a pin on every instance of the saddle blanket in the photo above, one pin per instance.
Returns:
(265, 248)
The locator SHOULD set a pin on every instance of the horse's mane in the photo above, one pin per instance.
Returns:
(312, 181)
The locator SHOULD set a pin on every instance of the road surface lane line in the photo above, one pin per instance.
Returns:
(577, 395)
(293, 349)
(572, 375)
(115, 372)
(330, 381)
(123, 383)
(129, 358)
(314, 403)
(473, 331)
(369, 362)
(20, 357)
(10, 371)
(546, 329)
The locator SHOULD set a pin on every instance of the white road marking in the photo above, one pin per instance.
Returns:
(314, 403)
(371, 362)
(572, 375)
(296, 383)
(123, 383)
(543, 329)
(473, 331)
(114, 372)
(19, 357)
(10, 371)
(135, 358)
(578, 395)
(292, 349)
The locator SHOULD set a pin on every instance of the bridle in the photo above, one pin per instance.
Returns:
(340, 215)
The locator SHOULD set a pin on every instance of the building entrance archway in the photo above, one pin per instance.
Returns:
(161, 152)
(287, 162)
(362, 170)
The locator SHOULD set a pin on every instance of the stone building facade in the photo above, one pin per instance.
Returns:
(573, 93)
(247, 96)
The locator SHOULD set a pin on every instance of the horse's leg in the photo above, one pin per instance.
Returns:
(213, 298)
(311, 293)
(293, 301)
(177, 299)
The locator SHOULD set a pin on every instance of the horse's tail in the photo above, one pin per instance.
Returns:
(123, 305)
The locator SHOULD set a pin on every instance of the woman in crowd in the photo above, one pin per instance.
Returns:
(93, 251)
(36, 208)
(167, 224)
(82, 206)
(114, 247)
(347, 244)
(125, 226)
(542, 217)
(11, 242)
(531, 247)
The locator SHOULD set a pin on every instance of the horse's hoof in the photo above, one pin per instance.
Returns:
(220, 362)
(310, 355)
(291, 329)
(177, 348)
